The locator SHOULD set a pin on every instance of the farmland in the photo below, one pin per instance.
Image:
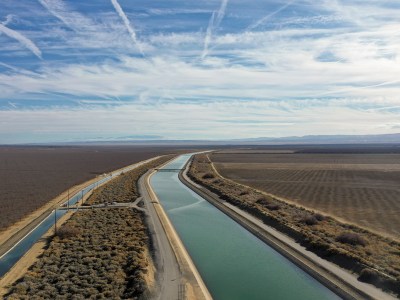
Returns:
(363, 189)
(31, 176)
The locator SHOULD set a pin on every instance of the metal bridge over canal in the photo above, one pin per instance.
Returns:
(168, 170)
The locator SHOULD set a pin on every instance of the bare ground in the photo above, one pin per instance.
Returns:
(362, 189)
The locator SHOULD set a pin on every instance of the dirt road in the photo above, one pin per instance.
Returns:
(178, 277)
(169, 275)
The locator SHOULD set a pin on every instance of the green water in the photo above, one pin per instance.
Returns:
(233, 263)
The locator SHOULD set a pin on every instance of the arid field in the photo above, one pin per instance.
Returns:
(31, 176)
(360, 188)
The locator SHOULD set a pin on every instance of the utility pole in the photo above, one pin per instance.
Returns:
(68, 201)
(55, 220)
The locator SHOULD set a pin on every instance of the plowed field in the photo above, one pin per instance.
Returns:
(359, 188)
(31, 176)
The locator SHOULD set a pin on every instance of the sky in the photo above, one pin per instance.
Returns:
(197, 69)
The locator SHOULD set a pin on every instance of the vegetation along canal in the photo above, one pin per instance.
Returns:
(11, 257)
(233, 263)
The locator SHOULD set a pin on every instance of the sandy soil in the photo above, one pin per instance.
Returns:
(150, 276)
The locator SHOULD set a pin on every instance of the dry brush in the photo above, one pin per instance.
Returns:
(97, 253)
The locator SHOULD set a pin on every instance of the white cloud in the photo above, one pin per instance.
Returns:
(280, 74)
(335, 66)
(253, 119)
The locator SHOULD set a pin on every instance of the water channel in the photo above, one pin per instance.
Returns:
(233, 263)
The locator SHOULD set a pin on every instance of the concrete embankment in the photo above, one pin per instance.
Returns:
(189, 277)
(339, 281)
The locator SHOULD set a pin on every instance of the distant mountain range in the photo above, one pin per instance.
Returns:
(291, 140)
(327, 139)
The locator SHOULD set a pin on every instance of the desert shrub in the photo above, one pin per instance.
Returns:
(268, 204)
(319, 217)
(262, 201)
(368, 275)
(208, 176)
(351, 238)
(107, 257)
(217, 181)
(67, 232)
(273, 206)
(309, 220)
(242, 193)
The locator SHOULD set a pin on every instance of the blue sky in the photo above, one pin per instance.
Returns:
(88, 70)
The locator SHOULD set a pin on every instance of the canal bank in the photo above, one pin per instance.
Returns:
(233, 263)
(186, 282)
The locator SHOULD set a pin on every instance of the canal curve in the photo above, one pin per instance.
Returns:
(233, 263)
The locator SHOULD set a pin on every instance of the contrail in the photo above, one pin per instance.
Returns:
(9, 67)
(22, 39)
(9, 18)
(262, 20)
(359, 88)
(12, 104)
(221, 12)
(207, 38)
(17, 70)
(57, 9)
(127, 24)
(213, 24)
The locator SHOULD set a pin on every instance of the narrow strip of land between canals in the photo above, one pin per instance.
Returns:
(30, 231)
(16, 232)
(336, 279)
